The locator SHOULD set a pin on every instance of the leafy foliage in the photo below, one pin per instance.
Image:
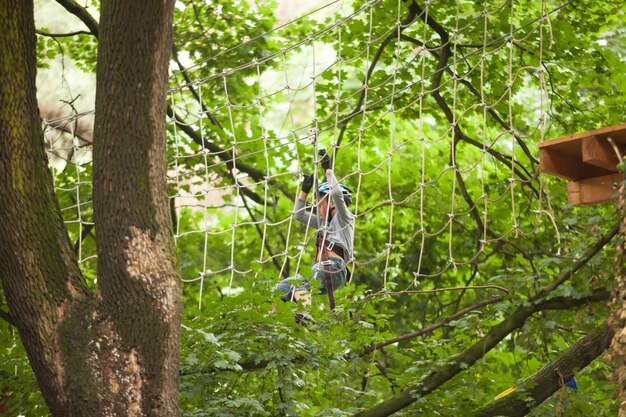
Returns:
(430, 215)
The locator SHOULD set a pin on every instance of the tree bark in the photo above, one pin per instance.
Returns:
(40, 277)
(137, 270)
(617, 321)
(542, 384)
(113, 351)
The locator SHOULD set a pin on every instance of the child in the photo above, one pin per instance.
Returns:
(335, 232)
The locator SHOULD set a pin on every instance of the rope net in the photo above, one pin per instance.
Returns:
(429, 111)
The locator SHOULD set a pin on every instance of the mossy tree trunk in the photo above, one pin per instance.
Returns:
(113, 351)
(41, 280)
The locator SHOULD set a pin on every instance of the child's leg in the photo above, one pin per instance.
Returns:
(305, 296)
(293, 288)
(334, 267)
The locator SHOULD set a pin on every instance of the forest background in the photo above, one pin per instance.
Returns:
(449, 195)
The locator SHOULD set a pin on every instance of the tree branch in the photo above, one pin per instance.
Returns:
(385, 373)
(462, 136)
(563, 303)
(225, 155)
(63, 35)
(433, 327)
(473, 90)
(532, 391)
(439, 375)
(445, 39)
(567, 274)
(245, 191)
(77, 10)
(442, 64)
(189, 84)
(414, 10)
(77, 127)
(268, 248)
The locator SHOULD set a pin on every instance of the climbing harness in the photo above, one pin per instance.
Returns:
(323, 246)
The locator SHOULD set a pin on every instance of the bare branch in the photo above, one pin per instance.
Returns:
(62, 35)
(77, 10)
(434, 290)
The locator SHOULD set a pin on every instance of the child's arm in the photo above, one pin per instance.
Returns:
(300, 213)
(343, 214)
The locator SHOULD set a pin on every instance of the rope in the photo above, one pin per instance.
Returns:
(258, 131)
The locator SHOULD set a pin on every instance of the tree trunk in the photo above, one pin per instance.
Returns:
(115, 351)
(618, 302)
(137, 270)
(40, 277)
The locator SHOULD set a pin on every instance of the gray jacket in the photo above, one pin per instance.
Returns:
(341, 227)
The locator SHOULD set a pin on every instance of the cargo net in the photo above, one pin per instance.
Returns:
(431, 113)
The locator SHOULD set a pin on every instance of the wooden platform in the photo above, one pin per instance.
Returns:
(588, 161)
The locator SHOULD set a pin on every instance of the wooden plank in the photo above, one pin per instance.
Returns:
(560, 164)
(617, 132)
(593, 190)
(566, 166)
(599, 152)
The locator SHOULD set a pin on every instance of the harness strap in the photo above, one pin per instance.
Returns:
(330, 291)
(329, 246)
(328, 276)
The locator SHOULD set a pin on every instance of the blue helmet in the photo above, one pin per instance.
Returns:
(346, 191)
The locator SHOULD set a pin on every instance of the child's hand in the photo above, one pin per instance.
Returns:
(325, 160)
(307, 183)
